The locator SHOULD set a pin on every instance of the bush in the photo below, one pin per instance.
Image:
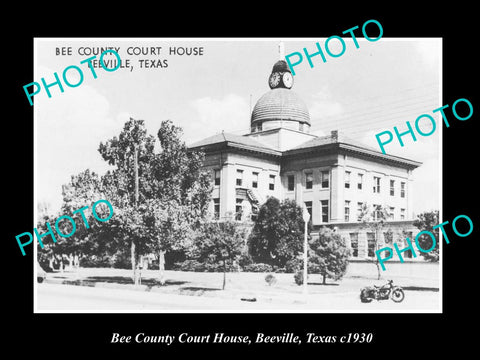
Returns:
(190, 265)
(244, 260)
(292, 265)
(260, 267)
(198, 266)
(298, 277)
(121, 261)
(270, 279)
(94, 261)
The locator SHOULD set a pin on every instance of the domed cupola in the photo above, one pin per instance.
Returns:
(280, 107)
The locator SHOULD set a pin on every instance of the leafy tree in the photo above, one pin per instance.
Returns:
(328, 255)
(132, 155)
(50, 249)
(374, 219)
(79, 194)
(219, 242)
(158, 198)
(184, 192)
(277, 236)
(426, 221)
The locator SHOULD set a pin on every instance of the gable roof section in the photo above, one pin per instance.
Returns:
(343, 142)
(235, 141)
(329, 139)
(337, 142)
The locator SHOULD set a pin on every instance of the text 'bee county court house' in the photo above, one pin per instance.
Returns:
(332, 175)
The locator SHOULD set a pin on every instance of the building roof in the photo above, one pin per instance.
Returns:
(280, 104)
(334, 140)
(238, 141)
(348, 144)
(335, 137)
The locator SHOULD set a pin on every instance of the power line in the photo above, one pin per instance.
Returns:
(386, 119)
(396, 94)
(368, 112)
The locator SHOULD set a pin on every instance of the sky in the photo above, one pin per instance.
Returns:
(380, 85)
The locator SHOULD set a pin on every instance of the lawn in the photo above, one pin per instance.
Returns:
(411, 276)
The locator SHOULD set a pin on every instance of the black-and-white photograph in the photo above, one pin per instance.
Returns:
(231, 175)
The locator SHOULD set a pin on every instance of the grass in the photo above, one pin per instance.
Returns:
(411, 276)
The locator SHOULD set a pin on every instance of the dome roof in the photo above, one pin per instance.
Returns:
(281, 66)
(280, 104)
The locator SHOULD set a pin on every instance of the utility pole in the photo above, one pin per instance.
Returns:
(306, 218)
(135, 164)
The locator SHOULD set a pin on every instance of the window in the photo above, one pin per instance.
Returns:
(359, 211)
(392, 187)
(402, 189)
(290, 182)
(255, 180)
(376, 185)
(238, 209)
(324, 211)
(360, 181)
(347, 210)
(407, 254)
(216, 208)
(377, 213)
(402, 214)
(308, 180)
(308, 205)
(325, 175)
(388, 237)
(239, 177)
(271, 185)
(391, 213)
(370, 244)
(347, 179)
(217, 177)
(354, 244)
(257, 128)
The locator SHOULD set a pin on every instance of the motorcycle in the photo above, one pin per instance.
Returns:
(384, 292)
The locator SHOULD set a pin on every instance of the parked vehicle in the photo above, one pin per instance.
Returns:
(384, 292)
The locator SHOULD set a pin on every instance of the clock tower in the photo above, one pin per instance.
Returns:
(281, 76)
(281, 107)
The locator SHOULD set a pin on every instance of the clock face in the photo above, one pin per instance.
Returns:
(287, 80)
(274, 80)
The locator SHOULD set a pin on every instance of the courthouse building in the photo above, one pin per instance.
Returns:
(334, 176)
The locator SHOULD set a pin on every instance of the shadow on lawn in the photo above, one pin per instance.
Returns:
(128, 280)
(420, 288)
(197, 288)
(322, 284)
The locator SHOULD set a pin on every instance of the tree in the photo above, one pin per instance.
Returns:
(132, 154)
(374, 219)
(426, 221)
(80, 193)
(277, 236)
(219, 242)
(328, 255)
(158, 198)
(184, 190)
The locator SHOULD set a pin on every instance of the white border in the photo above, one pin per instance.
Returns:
(233, 311)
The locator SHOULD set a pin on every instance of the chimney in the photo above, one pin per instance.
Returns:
(334, 135)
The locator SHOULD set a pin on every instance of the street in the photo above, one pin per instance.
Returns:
(68, 298)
